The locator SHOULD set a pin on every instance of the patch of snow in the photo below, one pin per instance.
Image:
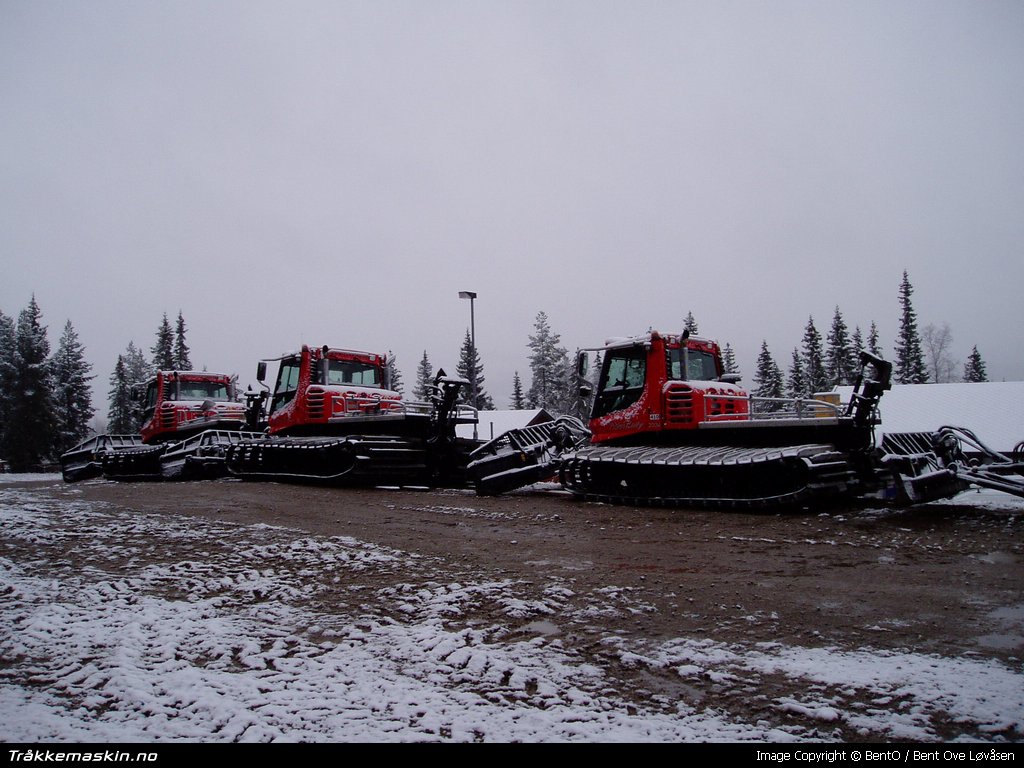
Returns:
(30, 477)
(988, 499)
(814, 712)
(931, 688)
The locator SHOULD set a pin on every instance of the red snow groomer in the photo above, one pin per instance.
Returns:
(179, 404)
(669, 427)
(188, 419)
(332, 417)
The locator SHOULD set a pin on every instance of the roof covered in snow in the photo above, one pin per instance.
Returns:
(994, 411)
(494, 423)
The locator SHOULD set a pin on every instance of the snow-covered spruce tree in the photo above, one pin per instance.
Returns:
(873, 346)
(72, 392)
(690, 324)
(910, 367)
(729, 360)
(569, 402)
(139, 370)
(182, 355)
(123, 416)
(768, 381)
(120, 416)
(797, 382)
(395, 375)
(472, 370)
(840, 356)
(8, 356)
(856, 346)
(424, 379)
(974, 368)
(549, 366)
(518, 402)
(30, 430)
(163, 348)
(815, 374)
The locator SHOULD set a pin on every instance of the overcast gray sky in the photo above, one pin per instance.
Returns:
(335, 172)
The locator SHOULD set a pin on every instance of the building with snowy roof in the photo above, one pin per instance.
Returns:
(993, 410)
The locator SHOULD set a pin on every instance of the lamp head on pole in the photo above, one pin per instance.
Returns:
(467, 294)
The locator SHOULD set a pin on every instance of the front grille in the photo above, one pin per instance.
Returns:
(679, 406)
(316, 400)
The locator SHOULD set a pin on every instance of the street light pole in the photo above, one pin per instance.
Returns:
(471, 295)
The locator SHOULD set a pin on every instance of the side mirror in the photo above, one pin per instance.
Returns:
(261, 371)
(731, 378)
(586, 390)
(582, 364)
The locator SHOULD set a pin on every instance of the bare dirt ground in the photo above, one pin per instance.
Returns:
(941, 579)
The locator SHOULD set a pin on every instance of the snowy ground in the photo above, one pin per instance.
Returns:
(12, 478)
(146, 627)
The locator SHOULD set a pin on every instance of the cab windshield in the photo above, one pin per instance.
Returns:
(691, 365)
(197, 390)
(353, 373)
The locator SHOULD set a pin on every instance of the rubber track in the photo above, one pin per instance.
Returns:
(137, 463)
(709, 477)
(350, 459)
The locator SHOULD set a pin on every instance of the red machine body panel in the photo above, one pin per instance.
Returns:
(320, 388)
(655, 384)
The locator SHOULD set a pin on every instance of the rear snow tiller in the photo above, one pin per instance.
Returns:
(525, 455)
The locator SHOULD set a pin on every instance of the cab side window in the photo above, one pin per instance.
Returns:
(622, 380)
(287, 384)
